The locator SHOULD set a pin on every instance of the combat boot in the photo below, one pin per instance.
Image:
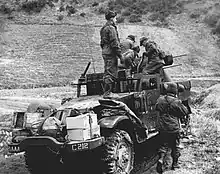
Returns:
(159, 167)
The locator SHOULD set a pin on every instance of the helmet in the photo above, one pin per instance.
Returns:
(110, 14)
(142, 39)
(136, 49)
(131, 37)
(170, 87)
(181, 88)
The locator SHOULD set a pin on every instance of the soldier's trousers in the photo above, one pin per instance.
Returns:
(110, 68)
(172, 141)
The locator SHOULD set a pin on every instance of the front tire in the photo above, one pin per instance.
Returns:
(118, 156)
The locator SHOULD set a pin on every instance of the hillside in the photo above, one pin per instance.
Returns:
(37, 46)
(44, 49)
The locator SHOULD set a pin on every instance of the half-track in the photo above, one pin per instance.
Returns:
(125, 139)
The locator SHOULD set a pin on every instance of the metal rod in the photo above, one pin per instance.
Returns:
(171, 66)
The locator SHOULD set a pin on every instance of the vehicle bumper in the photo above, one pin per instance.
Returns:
(52, 143)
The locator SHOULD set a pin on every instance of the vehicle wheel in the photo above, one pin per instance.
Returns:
(118, 156)
(42, 160)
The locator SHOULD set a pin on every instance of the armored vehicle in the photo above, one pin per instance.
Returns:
(90, 134)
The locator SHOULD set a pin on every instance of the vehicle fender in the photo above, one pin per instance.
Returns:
(111, 122)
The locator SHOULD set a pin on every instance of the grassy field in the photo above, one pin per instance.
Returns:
(47, 55)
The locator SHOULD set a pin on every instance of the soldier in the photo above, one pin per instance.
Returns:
(130, 59)
(111, 52)
(171, 110)
(154, 59)
(127, 44)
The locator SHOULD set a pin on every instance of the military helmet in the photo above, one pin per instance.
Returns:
(142, 39)
(131, 37)
(171, 87)
(136, 49)
(110, 14)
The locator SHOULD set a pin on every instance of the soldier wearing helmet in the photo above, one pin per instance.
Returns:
(171, 110)
(111, 51)
(127, 44)
(130, 59)
(153, 59)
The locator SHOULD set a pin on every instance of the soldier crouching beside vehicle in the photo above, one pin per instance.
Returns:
(171, 110)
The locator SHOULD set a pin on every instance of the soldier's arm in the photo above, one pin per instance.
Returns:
(114, 41)
(181, 110)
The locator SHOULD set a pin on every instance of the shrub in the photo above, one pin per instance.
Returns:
(6, 9)
(120, 19)
(134, 18)
(95, 4)
(194, 14)
(60, 17)
(70, 9)
(33, 5)
(126, 12)
(212, 18)
(102, 9)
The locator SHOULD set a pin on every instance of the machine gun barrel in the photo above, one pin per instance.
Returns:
(171, 66)
(182, 55)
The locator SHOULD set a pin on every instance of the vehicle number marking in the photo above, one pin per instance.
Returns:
(80, 146)
(14, 148)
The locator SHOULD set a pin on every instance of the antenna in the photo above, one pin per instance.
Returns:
(87, 34)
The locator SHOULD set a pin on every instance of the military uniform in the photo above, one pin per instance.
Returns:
(154, 59)
(171, 110)
(127, 44)
(129, 59)
(111, 50)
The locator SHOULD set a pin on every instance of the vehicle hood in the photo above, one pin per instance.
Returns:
(87, 102)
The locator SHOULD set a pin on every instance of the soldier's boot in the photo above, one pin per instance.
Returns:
(159, 167)
(175, 164)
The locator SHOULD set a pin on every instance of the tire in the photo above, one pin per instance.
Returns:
(41, 160)
(118, 155)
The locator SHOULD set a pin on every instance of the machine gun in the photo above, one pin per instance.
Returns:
(82, 79)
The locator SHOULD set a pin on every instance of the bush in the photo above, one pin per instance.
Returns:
(102, 9)
(134, 18)
(6, 9)
(194, 14)
(120, 19)
(33, 5)
(70, 9)
(95, 4)
(126, 12)
(212, 18)
(60, 17)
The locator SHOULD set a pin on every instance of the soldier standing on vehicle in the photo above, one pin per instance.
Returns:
(111, 52)
(127, 44)
(171, 110)
(154, 59)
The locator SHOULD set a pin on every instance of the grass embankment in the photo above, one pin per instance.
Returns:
(206, 128)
